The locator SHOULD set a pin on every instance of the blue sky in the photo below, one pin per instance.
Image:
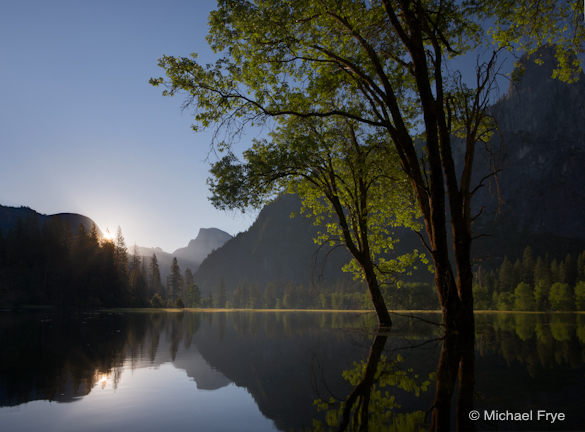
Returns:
(82, 131)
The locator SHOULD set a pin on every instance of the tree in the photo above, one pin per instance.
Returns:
(121, 253)
(315, 59)
(542, 272)
(528, 264)
(221, 296)
(580, 296)
(137, 280)
(174, 283)
(155, 281)
(341, 173)
(560, 297)
(270, 295)
(581, 266)
(523, 297)
(506, 277)
(192, 295)
(541, 293)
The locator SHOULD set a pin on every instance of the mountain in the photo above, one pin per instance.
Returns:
(207, 240)
(276, 248)
(9, 217)
(279, 249)
(538, 199)
(191, 256)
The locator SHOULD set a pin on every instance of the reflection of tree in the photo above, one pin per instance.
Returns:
(61, 356)
(370, 404)
(456, 364)
(533, 340)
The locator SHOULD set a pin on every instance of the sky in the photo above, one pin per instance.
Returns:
(82, 131)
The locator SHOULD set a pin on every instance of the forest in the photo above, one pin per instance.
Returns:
(48, 264)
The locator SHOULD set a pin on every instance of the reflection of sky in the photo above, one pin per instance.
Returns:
(146, 399)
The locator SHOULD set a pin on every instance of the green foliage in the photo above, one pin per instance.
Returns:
(541, 292)
(543, 271)
(523, 297)
(527, 25)
(383, 409)
(321, 71)
(560, 297)
(580, 296)
(156, 301)
(505, 301)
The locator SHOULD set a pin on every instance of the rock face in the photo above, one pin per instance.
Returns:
(10, 215)
(277, 248)
(189, 257)
(538, 196)
(206, 242)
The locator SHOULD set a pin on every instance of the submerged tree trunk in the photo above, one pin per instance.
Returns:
(384, 320)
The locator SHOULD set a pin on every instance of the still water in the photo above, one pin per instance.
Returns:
(265, 371)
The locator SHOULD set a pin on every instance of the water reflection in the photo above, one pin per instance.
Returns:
(371, 405)
(285, 371)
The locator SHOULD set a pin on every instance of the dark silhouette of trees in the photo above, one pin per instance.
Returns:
(156, 286)
(174, 283)
(48, 264)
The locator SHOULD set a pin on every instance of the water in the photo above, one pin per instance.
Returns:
(264, 371)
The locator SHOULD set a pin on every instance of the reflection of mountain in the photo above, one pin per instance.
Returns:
(196, 367)
(285, 361)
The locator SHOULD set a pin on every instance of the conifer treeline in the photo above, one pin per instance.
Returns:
(48, 264)
(532, 283)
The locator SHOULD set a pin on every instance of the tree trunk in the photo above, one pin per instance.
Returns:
(384, 320)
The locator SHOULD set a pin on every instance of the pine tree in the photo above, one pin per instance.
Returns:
(541, 292)
(196, 296)
(528, 264)
(270, 295)
(570, 270)
(554, 271)
(542, 272)
(580, 296)
(137, 280)
(188, 288)
(121, 254)
(560, 297)
(155, 281)
(506, 276)
(581, 266)
(523, 297)
(221, 296)
(174, 283)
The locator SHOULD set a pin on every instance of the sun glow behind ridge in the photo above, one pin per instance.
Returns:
(108, 235)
